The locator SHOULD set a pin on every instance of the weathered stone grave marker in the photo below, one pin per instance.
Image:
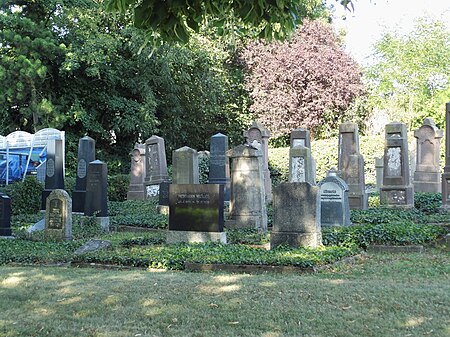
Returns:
(86, 154)
(302, 138)
(136, 189)
(155, 165)
(58, 215)
(5, 215)
(379, 167)
(54, 176)
(185, 166)
(334, 203)
(219, 167)
(97, 193)
(196, 213)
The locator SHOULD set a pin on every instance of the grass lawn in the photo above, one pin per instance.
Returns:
(381, 295)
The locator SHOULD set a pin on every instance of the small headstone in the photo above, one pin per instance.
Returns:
(351, 165)
(427, 176)
(379, 167)
(5, 215)
(58, 215)
(155, 165)
(86, 154)
(301, 165)
(446, 174)
(97, 192)
(54, 176)
(185, 166)
(397, 190)
(196, 209)
(334, 204)
(258, 136)
(247, 203)
(136, 189)
(93, 245)
(296, 218)
(219, 167)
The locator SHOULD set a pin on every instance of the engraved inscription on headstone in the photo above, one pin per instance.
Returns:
(297, 142)
(298, 169)
(58, 215)
(50, 167)
(82, 168)
(393, 161)
(55, 216)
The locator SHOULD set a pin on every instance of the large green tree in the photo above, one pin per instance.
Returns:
(410, 77)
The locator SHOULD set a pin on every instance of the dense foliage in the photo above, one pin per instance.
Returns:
(308, 81)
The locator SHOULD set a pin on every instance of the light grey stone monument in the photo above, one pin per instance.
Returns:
(351, 165)
(302, 137)
(427, 176)
(446, 174)
(296, 218)
(301, 165)
(86, 154)
(185, 166)
(334, 204)
(379, 167)
(58, 215)
(155, 165)
(397, 190)
(219, 167)
(247, 203)
(136, 189)
(258, 136)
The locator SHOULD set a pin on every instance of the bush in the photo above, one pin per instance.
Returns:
(118, 187)
(25, 195)
(139, 213)
(428, 203)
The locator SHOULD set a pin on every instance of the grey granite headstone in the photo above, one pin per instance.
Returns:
(97, 192)
(258, 136)
(5, 215)
(58, 215)
(397, 190)
(185, 166)
(351, 165)
(219, 167)
(247, 203)
(86, 154)
(301, 165)
(446, 174)
(196, 209)
(296, 218)
(155, 165)
(379, 167)
(427, 176)
(334, 204)
(54, 176)
(136, 189)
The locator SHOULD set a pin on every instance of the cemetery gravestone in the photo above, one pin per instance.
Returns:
(54, 176)
(155, 165)
(334, 203)
(351, 165)
(247, 204)
(136, 190)
(397, 190)
(379, 167)
(5, 215)
(196, 213)
(446, 174)
(86, 154)
(185, 166)
(58, 215)
(97, 193)
(302, 137)
(219, 168)
(301, 165)
(427, 176)
(258, 136)
(296, 218)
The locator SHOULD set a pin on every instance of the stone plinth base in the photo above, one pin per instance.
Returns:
(446, 190)
(162, 209)
(191, 236)
(358, 201)
(136, 193)
(427, 186)
(397, 196)
(295, 240)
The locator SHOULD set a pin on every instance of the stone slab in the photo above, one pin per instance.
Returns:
(195, 236)
(295, 239)
(93, 245)
(245, 268)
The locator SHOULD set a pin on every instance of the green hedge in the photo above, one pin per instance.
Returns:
(25, 195)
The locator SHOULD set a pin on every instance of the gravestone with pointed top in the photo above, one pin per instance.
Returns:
(185, 166)
(54, 173)
(86, 154)
(136, 189)
(155, 165)
(219, 168)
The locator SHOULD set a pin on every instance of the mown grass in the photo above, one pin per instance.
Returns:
(381, 295)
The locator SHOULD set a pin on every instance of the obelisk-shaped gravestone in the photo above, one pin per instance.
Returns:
(155, 165)
(96, 203)
(397, 190)
(54, 173)
(5, 215)
(258, 136)
(185, 166)
(446, 174)
(86, 154)
(136, 189)
(351, 165)
(427, 176)
(219, 168)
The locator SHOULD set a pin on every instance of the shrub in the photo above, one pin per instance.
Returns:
(25, 196)
(118, 187)
(428, 203)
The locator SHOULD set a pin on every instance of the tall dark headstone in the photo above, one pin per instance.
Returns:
(258, 136)
(397, 190)
(351, 165)
(5, 215)
(86, 154)
(136, 189)
(155, 165)
(58, 215)
(427, 176)
(97, 192)
(219, 167)
(446, 174)
(54, 173)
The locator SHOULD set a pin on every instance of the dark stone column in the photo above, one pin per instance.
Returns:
(86, 154)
